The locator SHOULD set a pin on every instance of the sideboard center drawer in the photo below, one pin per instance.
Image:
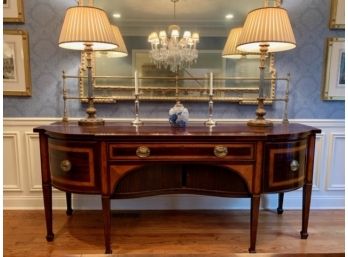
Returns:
(209, 151)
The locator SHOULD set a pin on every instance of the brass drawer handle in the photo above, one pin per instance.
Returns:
(143, 151)
(220, 151)
(65, 165)
(294, 165)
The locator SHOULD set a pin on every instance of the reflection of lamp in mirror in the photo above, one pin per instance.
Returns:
(87, 28)
(266, 29)
(120, 51)
(230, 49)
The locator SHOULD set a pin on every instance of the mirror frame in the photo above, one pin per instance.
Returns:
(173, 87)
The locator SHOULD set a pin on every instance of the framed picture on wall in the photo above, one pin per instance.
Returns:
(334, 77)
(16, 65)
(13, 11)
(337, 14)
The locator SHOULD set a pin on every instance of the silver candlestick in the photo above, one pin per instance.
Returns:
(210, 121)
(136, 121)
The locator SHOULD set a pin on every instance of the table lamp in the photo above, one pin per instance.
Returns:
(265, 30)
(88, 29)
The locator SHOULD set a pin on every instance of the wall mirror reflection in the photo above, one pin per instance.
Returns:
(234, 80)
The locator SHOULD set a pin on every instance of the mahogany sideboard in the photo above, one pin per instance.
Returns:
(118, 160)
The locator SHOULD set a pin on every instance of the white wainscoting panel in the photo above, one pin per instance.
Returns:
(22, 177)
(33, 161)
(335, 162)
(317, 169)
(12, 167)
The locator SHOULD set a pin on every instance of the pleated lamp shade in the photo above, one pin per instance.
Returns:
(230, 50)
(86, 25)
(267, 26)
(121, 51)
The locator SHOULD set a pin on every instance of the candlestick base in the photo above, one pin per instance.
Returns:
(210, 122)
(137, 122)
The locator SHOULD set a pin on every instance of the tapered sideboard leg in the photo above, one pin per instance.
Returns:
(280, 203)
(69, 209)
(254, 218)
(306, 203)
(107, 223)
(47, 195)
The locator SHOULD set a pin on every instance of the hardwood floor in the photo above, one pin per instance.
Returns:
(174, 233)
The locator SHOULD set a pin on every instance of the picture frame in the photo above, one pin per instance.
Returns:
(337, 20)
(16, 63)
(13, 11)
(334, 75)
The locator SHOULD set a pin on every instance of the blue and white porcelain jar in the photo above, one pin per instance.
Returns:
(178, 115)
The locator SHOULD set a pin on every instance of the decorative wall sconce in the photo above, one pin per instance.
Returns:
(88, 29)
(265, 30)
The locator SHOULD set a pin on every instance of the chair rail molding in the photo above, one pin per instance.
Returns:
(22, 181)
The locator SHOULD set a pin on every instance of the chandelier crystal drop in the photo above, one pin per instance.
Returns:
(173, 52)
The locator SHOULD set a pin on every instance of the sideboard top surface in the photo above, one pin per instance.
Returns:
(162, 129)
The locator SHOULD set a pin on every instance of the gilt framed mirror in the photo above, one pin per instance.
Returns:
(235, 80)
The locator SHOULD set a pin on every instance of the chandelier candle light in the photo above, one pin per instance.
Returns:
(172, 52)
(265, 30)
(87, 28)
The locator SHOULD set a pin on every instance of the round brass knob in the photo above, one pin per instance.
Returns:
(220, 151)
(143, 151)
(65, 165)
(294, 165)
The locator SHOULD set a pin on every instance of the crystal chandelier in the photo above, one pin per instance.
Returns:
(172, 52)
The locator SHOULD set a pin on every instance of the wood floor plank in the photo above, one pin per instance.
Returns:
(171, 233)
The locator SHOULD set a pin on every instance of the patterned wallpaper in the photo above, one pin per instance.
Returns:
(305, 63)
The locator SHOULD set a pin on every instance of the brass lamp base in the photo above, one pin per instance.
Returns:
(91, 122)
(91, 119)
(260, 121)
